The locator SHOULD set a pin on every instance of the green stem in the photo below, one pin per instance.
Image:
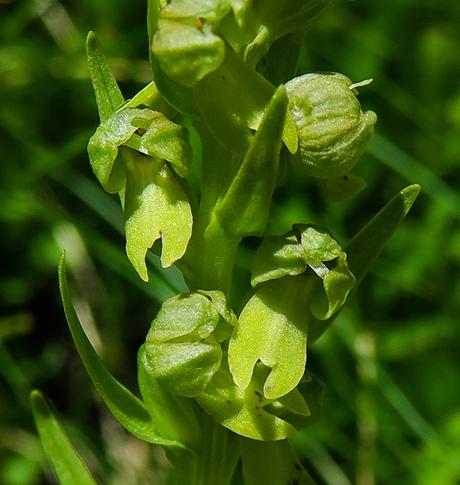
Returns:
(212, 251)
(215, 258)
(220, 452)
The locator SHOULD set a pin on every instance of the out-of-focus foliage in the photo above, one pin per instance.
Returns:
(391, 362)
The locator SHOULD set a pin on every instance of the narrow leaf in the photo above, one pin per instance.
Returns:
(129, 411)
(66, 462)
(370, 240)
(108, 94)
(366, 245)
(245, 207)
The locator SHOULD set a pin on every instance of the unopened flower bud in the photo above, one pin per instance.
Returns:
(332, 129)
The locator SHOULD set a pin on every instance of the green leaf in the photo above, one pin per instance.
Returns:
(66, 462)
(370, 240)
(366, 245)
(129, 411)
(245, 207)
(187, 53)
(108, 94)
(272, 328)
(155, 207)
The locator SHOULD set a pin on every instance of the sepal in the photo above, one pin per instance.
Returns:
(332, 129)
(183, 346)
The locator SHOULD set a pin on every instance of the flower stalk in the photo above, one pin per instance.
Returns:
(217, 387)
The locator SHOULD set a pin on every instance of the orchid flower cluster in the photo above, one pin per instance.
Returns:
(213, 379)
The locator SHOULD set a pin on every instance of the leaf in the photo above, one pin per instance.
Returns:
(66, 462)
(129, 411)
(366, 245)
(272, 328)
(370, 240)
(155, 206)
(245, 207)
(108, 94)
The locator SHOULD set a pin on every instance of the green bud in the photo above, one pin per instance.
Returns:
(183, 349)
(332, 129)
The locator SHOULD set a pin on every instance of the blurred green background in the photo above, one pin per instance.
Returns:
(391, 361)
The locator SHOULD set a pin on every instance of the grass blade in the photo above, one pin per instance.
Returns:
(108, 94)
(370, 240)
(366, 245)
(66, 462)
(129, 411)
